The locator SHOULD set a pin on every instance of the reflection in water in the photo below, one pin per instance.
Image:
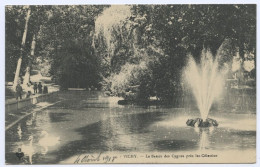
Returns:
(123, 133)
(29, 122)
(91, 125)
(48, 141)
(113, 101)
(204, 138)
(27, 146)
(19, 131)
(28, 149)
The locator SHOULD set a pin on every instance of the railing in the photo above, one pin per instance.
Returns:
(27, 102)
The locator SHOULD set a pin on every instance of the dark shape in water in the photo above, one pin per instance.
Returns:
(19, 154)
(200, 123)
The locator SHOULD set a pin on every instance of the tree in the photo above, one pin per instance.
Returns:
(66, 41)
(147, 45)
(17, 73)
(38, 19)
(164, 35)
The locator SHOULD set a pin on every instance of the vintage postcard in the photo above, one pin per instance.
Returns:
(138, 84)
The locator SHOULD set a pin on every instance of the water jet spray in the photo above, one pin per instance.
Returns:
(206, 83)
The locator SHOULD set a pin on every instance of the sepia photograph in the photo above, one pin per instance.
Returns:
(130, 84)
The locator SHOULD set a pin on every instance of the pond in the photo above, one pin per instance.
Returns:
(89, 122)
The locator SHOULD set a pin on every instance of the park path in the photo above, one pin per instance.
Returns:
(35, 77)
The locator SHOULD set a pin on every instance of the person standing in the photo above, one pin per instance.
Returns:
(40, 87)
(19, 91)
(45, 89)
(28, 94)
(35, 86)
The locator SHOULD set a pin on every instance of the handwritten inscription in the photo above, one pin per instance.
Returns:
(89, 158)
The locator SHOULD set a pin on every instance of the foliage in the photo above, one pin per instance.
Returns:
(67, 40)
(15, 20)
(171, 32)
(140, 48)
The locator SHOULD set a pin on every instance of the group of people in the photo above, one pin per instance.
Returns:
(37, 88)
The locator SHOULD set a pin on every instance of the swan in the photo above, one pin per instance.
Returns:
(28, 149)
(48, 141)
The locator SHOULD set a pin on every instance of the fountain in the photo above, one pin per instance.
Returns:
(206, 82)
(200, 123)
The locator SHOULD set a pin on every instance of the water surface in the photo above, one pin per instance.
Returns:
(91, 123)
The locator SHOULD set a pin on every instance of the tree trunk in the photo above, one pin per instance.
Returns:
(19, 62)
(242, 53)
(28, 68)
